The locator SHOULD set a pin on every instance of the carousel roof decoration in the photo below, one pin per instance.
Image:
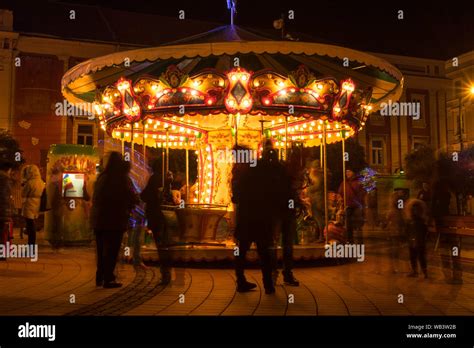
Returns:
(231, 86)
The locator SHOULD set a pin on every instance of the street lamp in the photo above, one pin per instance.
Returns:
(461, 121)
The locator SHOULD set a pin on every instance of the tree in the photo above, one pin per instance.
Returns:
(420, 164)
(10, 151)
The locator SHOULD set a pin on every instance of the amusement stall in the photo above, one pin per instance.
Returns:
(230, 87)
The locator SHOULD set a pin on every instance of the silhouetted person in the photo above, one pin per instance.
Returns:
(254, 194)
(288, 200)
(6, 203)
(31, 193)
(354, 203)
(113, 201)
(396, 228)
(417, 231)
(152, 195)
(440, 209)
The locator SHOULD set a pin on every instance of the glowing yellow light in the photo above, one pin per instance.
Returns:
(135, 135)
(320, 136)
(319, 86)
(233, 78)
(244, 77)
(328, 126)
(311, 136)
(193, 92)
(246, 103)
(471, 90)
(158, 144)
(127, 134)
(320, 121)
(154, 136)
(337, 109)
(273, 132)
(231, 102)
(338, 134)
(146, 136)
(117, 134)
(282, 92)
(209, 166)
(195, 199)
(319, 127)
(281, 83)
(329, 135)
(256, 84)
(154, 87)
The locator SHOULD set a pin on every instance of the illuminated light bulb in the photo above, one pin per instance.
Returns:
(282, 92)
(319, 127)
(180, 143)
(319, 86)
(175, 143)
(244, 77)
(369, 107)
(117, 134)
(281, 83)
(231, 102)
(181, 139)
(196, 132)
(127, 134)
(173, 127)
(337, 109)
(209, 174)
(210, 101)
(273, 132)
(311, 136)
(193, 92)
(208, 148)
(266, 101)
(208, 191)
(181, 129)
(280, 120)
(135, 135)
(328, 126)
(233, 78)
(320, 136)
(158, 144)
(209, 166)
(292, 90)
(311, 129)
(195, 199)
(150, 106)
(154, 136)
(256, 84)
(196, 152)
(280, 131)
(196, 83)
(304, 126)
(208, 158)
(362, 123)
(126, 110)
(209, 182)
(146, 136)
(192, 143)
(154, 87)
(183, 90)
(329, 135)
(348, 86)
(246, 103)
(116, 94)
(337, 125)
(338, 134)
(116, 112)
(155, 126)
(221, 83)
(297, 127)
(273, 122)
(293, 138)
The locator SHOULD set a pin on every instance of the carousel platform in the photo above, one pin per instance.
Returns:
(223, 256)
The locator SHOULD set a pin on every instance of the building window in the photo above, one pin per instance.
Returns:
(418, 142)
(457, 87)
(85, 134)
(419, 121)
(377, 152)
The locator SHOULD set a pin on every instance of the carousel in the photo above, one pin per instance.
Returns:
(223, 88)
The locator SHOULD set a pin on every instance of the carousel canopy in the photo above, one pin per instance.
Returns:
(232, 77)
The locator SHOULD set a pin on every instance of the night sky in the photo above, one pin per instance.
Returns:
(429, 29)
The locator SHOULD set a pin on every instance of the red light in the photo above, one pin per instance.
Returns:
(210, 101)
(266, 101)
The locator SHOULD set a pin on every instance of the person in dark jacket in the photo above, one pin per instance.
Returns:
(417, 231)
(152, 195)
(112, 203)
(6, 202)
(257, 202)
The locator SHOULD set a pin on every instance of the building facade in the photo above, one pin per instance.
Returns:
(32, 65)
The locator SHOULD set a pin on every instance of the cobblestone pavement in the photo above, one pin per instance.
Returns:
(62, 283)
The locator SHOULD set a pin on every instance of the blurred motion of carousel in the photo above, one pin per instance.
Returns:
(227, 87)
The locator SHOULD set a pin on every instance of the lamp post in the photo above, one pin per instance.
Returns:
(460, 117)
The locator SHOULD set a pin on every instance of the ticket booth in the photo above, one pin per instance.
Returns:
(71, 174)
